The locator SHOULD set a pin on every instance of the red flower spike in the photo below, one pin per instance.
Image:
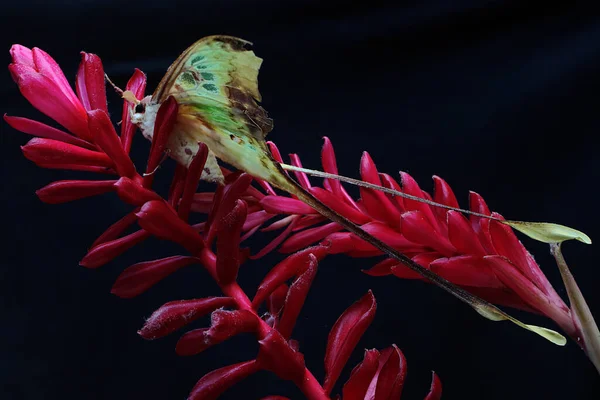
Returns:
(435, 391)
(295, 298)
(38, 129)
(277, 356)
(231, 193)
(228, 244)
(49, 152)
(285, 205)
(309, 236)
(108, 251)
(361, 376)
(344, 337)
(136, 85)
(90, 83)
(191, 181)
(292, 266)
(213, 384)
(224, 325)
(390, 378)
(133, 193)
(105, 136)
(375, 202)
(163, 126)
(176, 314)
(65, 191)
(141, 276)
(116, 229)
(43, 84)
(300, 176)
(158, 218)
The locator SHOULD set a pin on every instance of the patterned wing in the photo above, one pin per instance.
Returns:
(215, 82)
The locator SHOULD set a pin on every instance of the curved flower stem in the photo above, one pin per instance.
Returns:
(589, 338)
(310, 386)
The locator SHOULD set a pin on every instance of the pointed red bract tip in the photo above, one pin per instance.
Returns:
(213, 384)
(136, 85)
(176, 314)
(90, 83)
(344, 337)
(65, 191)
(435, 392)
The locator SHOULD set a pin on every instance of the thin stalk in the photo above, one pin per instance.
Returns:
(582, 316)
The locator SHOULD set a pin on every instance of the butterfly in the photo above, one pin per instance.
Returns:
(215, 83)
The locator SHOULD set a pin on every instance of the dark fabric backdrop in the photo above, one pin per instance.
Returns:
(493, 96)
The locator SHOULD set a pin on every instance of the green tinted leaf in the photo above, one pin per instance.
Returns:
(548, 232)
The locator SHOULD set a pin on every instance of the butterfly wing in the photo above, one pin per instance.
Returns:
(215, 83)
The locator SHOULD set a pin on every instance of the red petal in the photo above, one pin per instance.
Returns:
(141, 276)
(296, 297)
(159, 219)
(105, 136)
(285, 205)
(330, 166)
(411, 187)
(256, 219)
(275, 152)
(376, 202)
(382, 268)
(36, 128)
(435, 392)
(361, 376)
(46, 96)
(116, 229)
(228, 244)
(300, 176)
(191, 181)
(336, 204)
(344, 337)
(275, 304)
(466, 271)
(64, 191)
(277, 241)
(224, 325)
(308, 237)
(46, 66)
(223, 205)
(176, 314)
(391, 375)
(133, 193)
(22, 55)
(50, 152)
(462, 236)
(163, 126)
(524, 288)
(442, 193)
(213, 384)
(277, 356)
(389, 182)
(90, 83)
(417, 229)
(177, 185)
(292, 266)
(108, 251)
(136, 85)
(202, 202)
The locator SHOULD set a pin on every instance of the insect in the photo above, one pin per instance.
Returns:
(215, 83)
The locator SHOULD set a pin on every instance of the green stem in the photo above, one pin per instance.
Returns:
(582, 316)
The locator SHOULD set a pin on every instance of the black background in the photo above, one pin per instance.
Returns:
(493, 96)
